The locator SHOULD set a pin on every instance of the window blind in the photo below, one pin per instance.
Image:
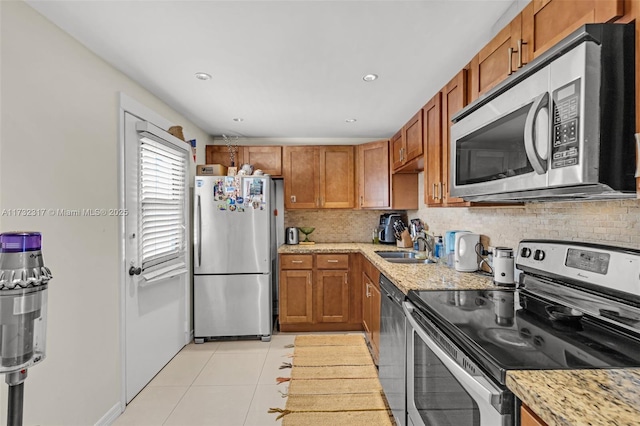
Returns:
(162, 203)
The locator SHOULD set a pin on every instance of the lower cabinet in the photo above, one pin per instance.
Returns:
(528, 417)
(371, 305)
(317, 293)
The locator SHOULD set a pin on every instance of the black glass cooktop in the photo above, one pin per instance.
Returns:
(510, 329)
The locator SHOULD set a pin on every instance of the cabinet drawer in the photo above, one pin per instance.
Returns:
(296, 261)
(333, 261)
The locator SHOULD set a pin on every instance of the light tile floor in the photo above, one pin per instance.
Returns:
(216, 383)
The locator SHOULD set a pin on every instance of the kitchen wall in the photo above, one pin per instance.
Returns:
(59, 144)
(607, 222)
(335, 225)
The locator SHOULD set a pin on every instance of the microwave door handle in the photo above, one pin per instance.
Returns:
(479, 386)
(539, 164)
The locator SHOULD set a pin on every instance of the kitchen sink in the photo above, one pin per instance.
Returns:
(402, 257)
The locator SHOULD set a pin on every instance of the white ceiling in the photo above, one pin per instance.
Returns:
(288, 68)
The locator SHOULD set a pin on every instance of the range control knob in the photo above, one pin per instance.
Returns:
(538, 255)
(525, 252)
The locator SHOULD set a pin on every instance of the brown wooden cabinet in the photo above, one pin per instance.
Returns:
(529, 418)
(332, 300)
(296, 289)
(371, 299)
(317, 294)
(266, 158)
(546, 22)
(378, 186)
(451, 99)
(373, 175)
(318, 177)
(433, 146)
(540, 25)
(504, 54)
(219, 154)
(407, 146)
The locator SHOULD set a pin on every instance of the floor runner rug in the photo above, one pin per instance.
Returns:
(333, 382)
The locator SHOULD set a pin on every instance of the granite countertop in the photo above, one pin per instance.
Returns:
(405, 276)
(580, 397)
(559, 397)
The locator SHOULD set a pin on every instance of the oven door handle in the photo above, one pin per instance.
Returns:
(476, 385)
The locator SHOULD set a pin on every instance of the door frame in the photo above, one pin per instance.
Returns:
(133, 107)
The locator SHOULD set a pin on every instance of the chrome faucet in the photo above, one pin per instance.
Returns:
(425, 243)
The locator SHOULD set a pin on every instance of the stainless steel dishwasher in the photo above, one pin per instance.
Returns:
(392, 360)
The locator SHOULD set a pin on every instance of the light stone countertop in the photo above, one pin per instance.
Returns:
(580, 397)
(559, 397)
(405, 276)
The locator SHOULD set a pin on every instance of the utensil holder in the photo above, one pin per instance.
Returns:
(405, 240)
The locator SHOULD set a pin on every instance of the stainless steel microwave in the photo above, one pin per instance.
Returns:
(560, 128)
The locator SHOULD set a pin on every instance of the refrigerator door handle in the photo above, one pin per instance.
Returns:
(198, 235)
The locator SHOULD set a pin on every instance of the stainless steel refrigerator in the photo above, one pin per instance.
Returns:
(234, 250)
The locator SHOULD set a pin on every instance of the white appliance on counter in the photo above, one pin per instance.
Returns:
(234, 256)
(466, 257)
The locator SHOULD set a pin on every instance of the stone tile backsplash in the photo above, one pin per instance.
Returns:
(606, 222)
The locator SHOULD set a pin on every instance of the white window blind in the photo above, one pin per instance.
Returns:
(163, 170)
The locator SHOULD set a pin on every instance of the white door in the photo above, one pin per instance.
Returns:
(156, 255)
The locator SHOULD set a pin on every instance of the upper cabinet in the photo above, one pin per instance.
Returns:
(407, 146)
(266, 158)
(498, 59)
(373, 175)
(540, 25)
(546, 22)
(433, 149)
(219, 154)
(378, 186)
(318, 177)
(454, 98)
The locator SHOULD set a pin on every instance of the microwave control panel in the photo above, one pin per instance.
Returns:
(566, 125)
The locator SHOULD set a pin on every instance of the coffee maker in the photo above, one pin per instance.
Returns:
(385, 227)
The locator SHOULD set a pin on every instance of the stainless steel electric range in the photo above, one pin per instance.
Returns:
(576, 306)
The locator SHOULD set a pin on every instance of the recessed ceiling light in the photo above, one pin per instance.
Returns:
(370, 77)
(238, 119)
(350, 120)
(203, 76)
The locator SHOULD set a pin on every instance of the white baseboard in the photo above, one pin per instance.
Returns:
(110, 416)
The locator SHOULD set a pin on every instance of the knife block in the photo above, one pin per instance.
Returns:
(405, 240)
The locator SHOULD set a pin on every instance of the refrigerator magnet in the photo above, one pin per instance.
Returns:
(222, 206)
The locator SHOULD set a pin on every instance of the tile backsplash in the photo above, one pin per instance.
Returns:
(335, 225)
(607, 222)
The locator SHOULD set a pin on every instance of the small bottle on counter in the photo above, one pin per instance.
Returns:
(375, 239)
(439, 249)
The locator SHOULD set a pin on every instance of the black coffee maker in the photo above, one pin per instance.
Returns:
(385, 227)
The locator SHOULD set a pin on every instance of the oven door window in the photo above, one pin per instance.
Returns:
(493, 152)
(438, 396)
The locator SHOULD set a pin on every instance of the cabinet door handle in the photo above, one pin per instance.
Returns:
(510, 54)
(361, 201)
(442, 190)
(433, 192)
(332, 261)
(367, 291)
(521, 42)
(296, 261)
(293, 198)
